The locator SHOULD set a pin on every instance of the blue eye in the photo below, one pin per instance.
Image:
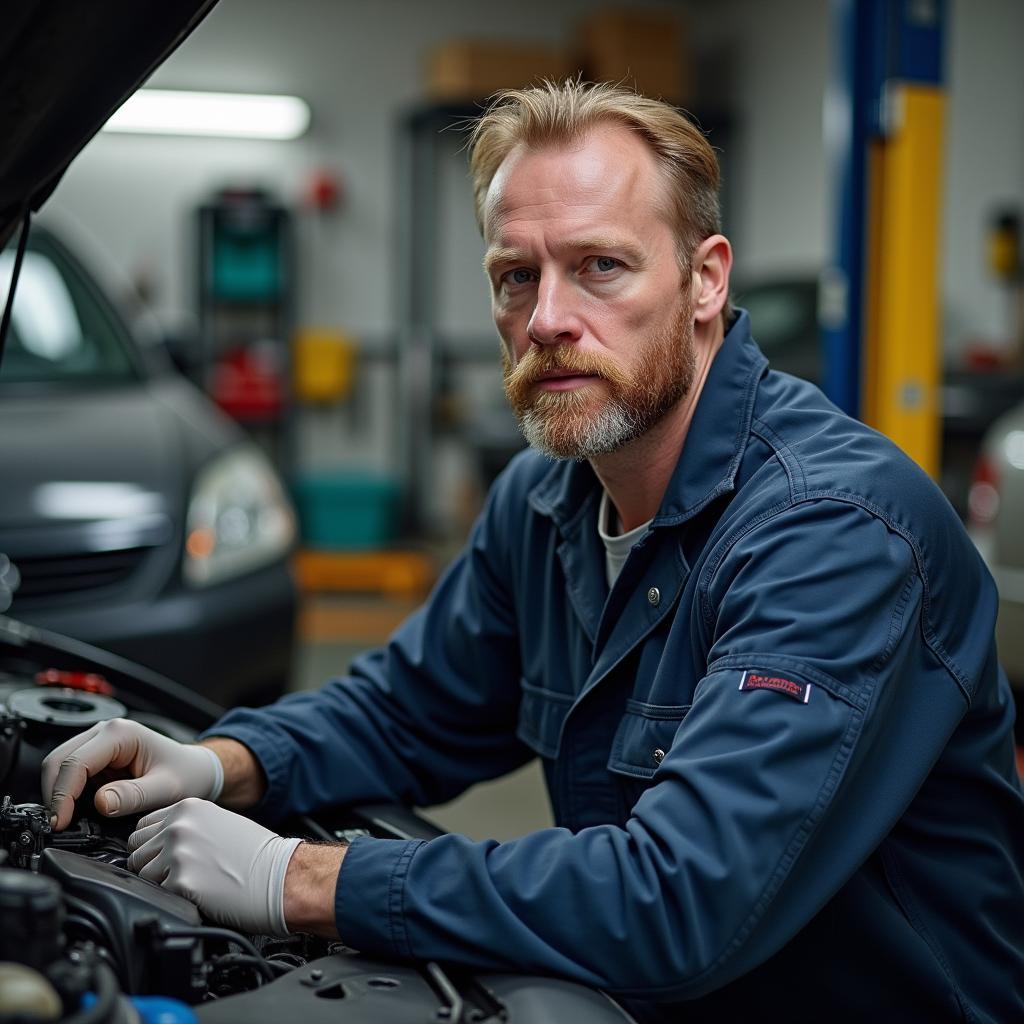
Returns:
(602, 265)
(518, 277)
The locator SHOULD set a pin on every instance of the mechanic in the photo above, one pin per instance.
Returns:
(748, 637)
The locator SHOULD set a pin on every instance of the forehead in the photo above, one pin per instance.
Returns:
(610, 178)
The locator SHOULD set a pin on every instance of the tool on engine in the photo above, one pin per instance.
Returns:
(24, 831)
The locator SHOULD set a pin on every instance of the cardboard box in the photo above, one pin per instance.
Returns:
(654, 77)
(468, 70)
(643, 49)
(656, 32)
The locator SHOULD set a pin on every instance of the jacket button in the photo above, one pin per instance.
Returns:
(659, 755)
(654, 597)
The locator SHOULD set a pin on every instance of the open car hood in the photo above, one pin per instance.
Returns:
(64, 69)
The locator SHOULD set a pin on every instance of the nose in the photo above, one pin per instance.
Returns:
(553, 321)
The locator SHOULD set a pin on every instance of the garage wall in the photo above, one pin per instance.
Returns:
(774, 65)
(769, 62)
(359, 63)
(984, 162)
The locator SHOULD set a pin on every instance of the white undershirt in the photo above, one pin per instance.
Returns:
(617, 546)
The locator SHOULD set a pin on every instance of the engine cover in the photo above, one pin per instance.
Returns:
(358, 990)
(127, 912)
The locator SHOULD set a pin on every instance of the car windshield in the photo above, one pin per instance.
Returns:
(61, 330)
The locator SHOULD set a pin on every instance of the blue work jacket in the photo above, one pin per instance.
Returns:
(778, 750)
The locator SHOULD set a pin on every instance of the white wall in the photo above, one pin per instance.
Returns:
(984, 162)
(778, 56)
(769, 62)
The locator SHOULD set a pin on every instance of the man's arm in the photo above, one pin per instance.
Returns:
(309, 888)
(761, 809)
(420, 720)
(244, 782)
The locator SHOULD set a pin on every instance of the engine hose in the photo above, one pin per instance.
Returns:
(102, 1009)
(226, 935)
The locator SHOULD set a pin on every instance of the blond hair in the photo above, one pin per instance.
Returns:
(565, 112)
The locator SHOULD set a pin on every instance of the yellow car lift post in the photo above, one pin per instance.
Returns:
(881, 303)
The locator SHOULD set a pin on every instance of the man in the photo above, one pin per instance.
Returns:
(749, 639)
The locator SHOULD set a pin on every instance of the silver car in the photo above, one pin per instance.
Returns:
(996, 520)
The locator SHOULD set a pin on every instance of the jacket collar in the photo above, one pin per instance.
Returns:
(710, 458)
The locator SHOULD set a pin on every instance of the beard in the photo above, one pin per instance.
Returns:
(615, 408)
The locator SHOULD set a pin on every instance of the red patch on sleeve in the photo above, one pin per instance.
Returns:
(756, 681)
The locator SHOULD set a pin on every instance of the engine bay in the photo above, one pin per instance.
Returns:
(79, 905)
(84, 940)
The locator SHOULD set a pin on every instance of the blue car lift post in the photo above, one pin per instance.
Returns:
(880, 298)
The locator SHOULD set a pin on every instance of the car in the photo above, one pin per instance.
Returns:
(73, 919)
(134, 515)
(996, 523)
(785, 312)
(181, 529)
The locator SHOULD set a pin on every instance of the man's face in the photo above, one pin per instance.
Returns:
(587, 293)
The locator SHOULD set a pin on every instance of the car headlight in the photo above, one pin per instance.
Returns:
(239, 519)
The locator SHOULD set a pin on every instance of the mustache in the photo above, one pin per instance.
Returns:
(537, 362)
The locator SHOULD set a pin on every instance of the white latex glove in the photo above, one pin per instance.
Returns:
(163, 770)
(231, 868)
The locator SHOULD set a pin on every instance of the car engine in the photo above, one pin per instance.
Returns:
(86, 941)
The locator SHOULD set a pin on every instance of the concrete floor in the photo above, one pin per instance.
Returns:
(333, 631)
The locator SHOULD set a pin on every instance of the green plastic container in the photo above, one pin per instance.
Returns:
(347, 510)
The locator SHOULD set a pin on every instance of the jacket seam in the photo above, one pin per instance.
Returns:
(397, 896)
(724, 546)
(670, 712)
(839, 763)
(930, 637)
(894, 876)
(785, 864)
(895, 623)
(620, 766)
(796, 845)
(540, 691)
(788, 460)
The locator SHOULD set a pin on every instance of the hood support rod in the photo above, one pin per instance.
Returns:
(16, 270)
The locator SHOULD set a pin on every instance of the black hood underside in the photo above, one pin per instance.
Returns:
(65, 67)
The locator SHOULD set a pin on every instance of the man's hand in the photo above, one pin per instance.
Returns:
(163, 771)
(232, 869)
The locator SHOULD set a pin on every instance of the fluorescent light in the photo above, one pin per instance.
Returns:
(229, 115)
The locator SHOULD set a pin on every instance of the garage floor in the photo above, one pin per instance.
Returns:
(333, 629)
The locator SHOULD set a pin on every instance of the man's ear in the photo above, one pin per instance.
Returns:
(709, 278)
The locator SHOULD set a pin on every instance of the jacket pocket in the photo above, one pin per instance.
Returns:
(644, 737)
(541, 714)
